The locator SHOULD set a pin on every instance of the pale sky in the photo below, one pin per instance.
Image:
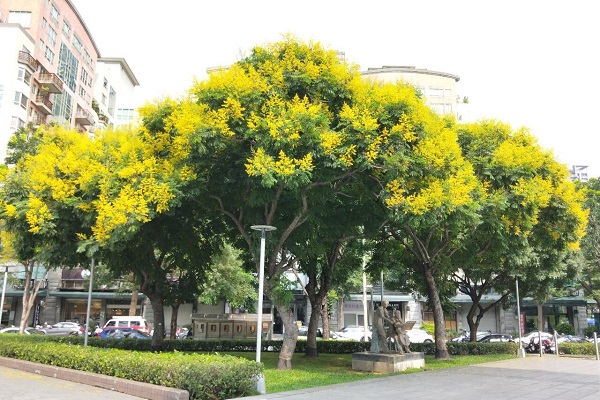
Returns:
(527, 63)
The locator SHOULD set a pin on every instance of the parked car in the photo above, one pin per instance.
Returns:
(134, 322)
(527, 338)
(496, 338)
(419, 336)
(466, 336)
(117, 332)
(64, 329)
(303, 333)
(353, 332)
(28, 331)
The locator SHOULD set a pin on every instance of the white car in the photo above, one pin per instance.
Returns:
(527, 338)
(353, 332)
(28, 331)
(419, 336)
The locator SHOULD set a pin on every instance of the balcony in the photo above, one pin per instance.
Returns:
(84, 118)
(43, 103)
(37, 120)
(50, 83)
(28, 60)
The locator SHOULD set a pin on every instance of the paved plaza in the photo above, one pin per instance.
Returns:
(530, 378)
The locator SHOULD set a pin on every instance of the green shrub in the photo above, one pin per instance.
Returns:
(581, 349)
(204, 376)
(589, 331)
(565, 329)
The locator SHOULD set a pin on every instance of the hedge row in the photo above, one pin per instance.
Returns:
(580, 349)
(203, 376)
(323, 346)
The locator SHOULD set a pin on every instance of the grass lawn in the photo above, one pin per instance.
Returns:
(328, 369)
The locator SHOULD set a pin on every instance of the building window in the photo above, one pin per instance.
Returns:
(66, 29)
(125, 114)
(49, 55)
(16, 123)
(24, 76)
(103, 98)
(436, 92)
(52, 36)
(448, 92)
(54, 13)
(77, 44)
(438, 108)
(42, 45)
(21, 99)
(67, 67)
(105, 83)
(44, 23)
(20, 17)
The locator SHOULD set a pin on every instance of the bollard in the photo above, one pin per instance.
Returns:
(596, 344)
(556, 343)
(540, 343)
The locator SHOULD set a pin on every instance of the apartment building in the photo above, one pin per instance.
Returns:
(437, 88)
(47, 66)
(114, 92)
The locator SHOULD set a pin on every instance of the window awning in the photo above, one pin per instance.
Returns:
(96, 295)
(19, 293)
(558, 301)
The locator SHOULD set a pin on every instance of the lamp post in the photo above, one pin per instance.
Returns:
(89, 305)
(3, 292)
(260, 383)
(521, 352)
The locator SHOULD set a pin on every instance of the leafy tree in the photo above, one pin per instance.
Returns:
(590, 244)
(227, 280)
(279, 122)
(530, 216)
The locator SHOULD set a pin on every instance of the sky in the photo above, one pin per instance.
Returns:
(528, 63)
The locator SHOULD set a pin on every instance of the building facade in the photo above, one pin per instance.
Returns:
(114, 92)
(47, 71)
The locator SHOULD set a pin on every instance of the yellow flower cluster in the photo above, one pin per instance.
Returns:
(262, 164)
(37, 214)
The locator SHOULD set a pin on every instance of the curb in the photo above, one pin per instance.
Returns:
(133, 388)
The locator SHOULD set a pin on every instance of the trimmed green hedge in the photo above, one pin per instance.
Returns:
(579, 349)
(203, 376)
(323, 346)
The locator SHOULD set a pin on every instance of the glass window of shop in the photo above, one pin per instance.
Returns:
(76, 310)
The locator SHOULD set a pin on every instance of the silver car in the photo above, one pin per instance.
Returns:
(64, 329)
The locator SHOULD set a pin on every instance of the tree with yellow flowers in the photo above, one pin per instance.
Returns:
(115, 198)
(531, 218)
(291, 123)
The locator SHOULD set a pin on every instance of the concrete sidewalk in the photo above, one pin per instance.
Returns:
(531, 378)
(24, 380)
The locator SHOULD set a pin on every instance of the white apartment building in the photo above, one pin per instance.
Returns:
(114, 92)
(437, 88)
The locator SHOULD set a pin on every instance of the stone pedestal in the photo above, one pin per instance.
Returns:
(386, 363)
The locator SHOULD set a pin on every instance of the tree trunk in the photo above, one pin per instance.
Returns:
(133, 303)
(441, 350)
(340, 314)
(325, 319)
(291, 336)
(540, 312)
(173, 327)
(159, 321)
(29, 293)
(311, 338)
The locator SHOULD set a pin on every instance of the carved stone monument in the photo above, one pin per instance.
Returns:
(390, 345)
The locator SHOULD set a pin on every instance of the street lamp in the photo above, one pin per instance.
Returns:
(89, 304)
(521, 352)
(3, 292)
(260, 383)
